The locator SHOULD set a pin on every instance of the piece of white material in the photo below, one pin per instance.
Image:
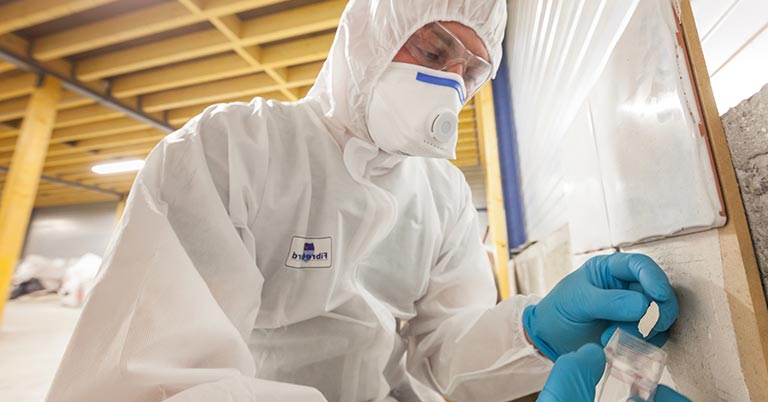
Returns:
(649, 320)
(195, 301)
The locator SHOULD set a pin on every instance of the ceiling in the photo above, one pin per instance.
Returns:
(165, 59)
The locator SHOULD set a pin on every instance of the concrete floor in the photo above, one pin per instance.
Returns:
(33, 337)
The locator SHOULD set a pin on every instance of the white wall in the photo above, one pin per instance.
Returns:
(70, 231)
(734, 37)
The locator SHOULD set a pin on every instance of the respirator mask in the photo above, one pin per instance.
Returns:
(414, 111)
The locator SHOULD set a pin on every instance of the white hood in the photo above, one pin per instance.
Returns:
(370, 34)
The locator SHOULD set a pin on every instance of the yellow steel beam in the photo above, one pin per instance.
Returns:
(24, 177)
(486, 123)
(26, 13)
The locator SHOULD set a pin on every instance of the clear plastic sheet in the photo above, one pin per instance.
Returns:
(556, 51)
(633, 370)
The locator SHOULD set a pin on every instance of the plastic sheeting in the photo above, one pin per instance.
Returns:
(557, 50)
(636, 161)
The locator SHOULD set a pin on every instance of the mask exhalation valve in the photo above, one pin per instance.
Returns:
(444, 126)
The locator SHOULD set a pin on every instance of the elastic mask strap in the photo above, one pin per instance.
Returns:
(443, 82)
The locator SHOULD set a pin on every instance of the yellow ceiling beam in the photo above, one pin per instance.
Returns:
(146, 137)
(209, 92)
(96, 179)
(132, 25)
(179, 75)
(84, 198)
(85, 166)
(14, 108)
(155, 54)
(180, 116)
(295, 52)
(8, 132)
(284, 25)
(220, 67)
(295, 22)
(98, 157)
(97, 129)
(228, 7)
(17, 86)
(108, 181)
(5, 66)
(26, 13)
(84, 115)
(59, 191)
(212, 92)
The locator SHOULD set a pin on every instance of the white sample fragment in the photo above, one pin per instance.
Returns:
(649, 320)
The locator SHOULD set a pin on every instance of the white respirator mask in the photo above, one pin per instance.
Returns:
(414, 111)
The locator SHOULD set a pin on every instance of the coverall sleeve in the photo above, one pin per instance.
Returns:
(177, 294)
(460, 342)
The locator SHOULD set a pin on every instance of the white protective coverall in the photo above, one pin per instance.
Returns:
(204, 294)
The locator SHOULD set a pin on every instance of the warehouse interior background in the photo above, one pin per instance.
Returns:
(135, 70)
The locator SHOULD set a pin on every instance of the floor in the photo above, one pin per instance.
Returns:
(33, 336)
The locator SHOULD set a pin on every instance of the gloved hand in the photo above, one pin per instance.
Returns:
(575, 376)
(605, 293)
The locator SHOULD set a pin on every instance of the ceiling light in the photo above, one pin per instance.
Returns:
(118, 167)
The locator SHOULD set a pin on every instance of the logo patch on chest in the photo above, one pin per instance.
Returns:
(310, 252)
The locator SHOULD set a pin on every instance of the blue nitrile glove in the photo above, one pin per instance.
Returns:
(666, 394)
(574, 376)
(608, 291)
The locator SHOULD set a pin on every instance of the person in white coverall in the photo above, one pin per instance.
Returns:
(326, 250)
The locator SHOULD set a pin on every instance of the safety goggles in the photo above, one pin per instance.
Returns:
(435, 47)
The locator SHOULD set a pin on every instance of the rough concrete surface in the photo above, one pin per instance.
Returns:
(746, 127)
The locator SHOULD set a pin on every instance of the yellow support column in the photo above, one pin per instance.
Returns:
(120, 209)
(23, 178)
(497, 218)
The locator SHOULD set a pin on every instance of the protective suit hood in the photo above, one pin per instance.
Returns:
(370, 34)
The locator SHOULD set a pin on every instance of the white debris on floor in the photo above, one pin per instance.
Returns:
(33, 336)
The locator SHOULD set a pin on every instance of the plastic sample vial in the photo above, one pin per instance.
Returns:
(633, 370)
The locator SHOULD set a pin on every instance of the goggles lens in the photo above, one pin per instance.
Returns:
(435, 47)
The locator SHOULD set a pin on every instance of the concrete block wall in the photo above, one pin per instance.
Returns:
(746, 127)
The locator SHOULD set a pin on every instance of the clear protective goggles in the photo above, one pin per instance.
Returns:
(435, 47)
